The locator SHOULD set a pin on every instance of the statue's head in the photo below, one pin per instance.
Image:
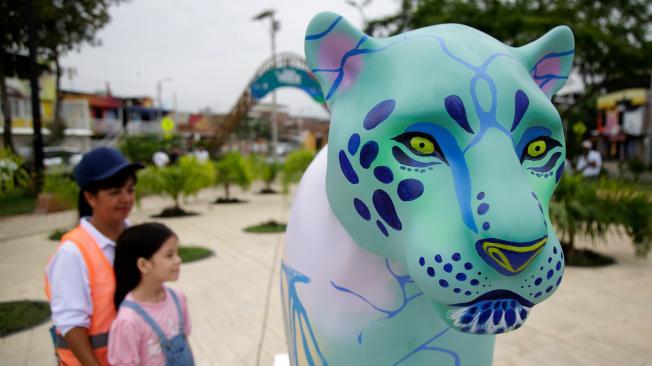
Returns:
(444, 151)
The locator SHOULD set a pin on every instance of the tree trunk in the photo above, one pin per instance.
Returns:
(226, 191)
(58, 126)
(6, 110)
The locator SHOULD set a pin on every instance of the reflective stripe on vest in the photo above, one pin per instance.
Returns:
(102, 288)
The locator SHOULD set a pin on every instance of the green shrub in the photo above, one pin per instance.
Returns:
(265, 169)
(185, 178)
(63, 188)
(192, 253)
(142, 147)
(270, 226)
(295, 164)
(12, 173)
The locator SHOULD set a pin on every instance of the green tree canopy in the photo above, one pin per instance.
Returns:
(233, 170)
(613, 39)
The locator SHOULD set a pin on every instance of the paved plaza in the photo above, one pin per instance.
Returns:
(598, 316)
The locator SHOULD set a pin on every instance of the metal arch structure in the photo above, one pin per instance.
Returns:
(246, 100)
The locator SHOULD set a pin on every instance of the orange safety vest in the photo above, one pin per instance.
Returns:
(102, 288)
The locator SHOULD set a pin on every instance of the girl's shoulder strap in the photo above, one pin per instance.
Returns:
(177, 303)
(148, 319)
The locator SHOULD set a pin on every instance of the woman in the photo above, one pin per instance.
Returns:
(79, 281)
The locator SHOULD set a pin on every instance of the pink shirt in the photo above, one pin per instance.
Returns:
(133, 342)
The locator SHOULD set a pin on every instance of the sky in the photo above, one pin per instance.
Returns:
(204, 51)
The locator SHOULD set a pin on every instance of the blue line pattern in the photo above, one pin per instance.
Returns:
(297, 317)
(313, 37)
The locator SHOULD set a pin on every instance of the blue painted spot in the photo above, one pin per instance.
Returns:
(472, 310)
(438, 258)
(558, 266)
(409, 189)
(347, 169)
(549, 274)
(455, 108)
(460, 277)
(402, 168)
(383, 174)
(448, 267)
(422, 261)
(483, 208)
(548, 289)
(382, 228)
(379, 113)
(484, 316)
(558, 281)
(468, 266)
(480, 195)
(368, 154)
(354, 143)
(474, 282)
(554, 250)
(456, 290)
(362, 209)
(456, 257)
(521, 103)
(466, 319)
(499, 330)
(385, 208)
(431, 271)
(465, 329)
(549, 259)
(537, 295)
(510, 317)
(467, 293)
(443, 283)
(486, 225)
(537, 281)
(498, 316)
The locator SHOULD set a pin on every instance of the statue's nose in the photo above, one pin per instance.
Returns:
(508, 257)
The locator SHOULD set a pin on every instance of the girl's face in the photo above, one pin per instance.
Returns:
(114, 204)
(164, 265)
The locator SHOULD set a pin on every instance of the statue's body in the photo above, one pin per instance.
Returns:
(422, 229)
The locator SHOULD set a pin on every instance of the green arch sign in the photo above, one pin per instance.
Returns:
(286, 76)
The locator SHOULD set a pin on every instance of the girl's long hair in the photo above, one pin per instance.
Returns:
(139, 241)
(115, 181)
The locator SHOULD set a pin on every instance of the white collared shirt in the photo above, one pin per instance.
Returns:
(71, 303)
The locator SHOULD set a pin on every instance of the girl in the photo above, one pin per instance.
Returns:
(152, 323)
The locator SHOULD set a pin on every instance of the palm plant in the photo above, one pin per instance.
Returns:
(265, 169)
(296, 163)
(232, 169)
(580, 206)
(183, 179)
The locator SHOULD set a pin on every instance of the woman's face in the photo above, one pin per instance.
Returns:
(113, 204)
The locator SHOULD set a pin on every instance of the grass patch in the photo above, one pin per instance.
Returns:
(227, 201)
(174, 212)
(191, 254)
(20, 315)
(270, 226)
(17, 203)
(57, 234)
(588, 258)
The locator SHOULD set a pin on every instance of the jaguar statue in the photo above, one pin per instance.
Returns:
(422, 230)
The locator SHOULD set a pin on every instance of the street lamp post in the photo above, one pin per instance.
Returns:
(274, 27)
(159, 91)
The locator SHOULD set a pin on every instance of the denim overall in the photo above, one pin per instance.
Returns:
(176, 349)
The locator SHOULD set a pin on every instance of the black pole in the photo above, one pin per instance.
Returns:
(36, 104)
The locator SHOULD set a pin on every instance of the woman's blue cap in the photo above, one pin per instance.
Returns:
(101, 163)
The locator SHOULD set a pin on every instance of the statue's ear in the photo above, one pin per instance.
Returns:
(550, 59)
(334, 50)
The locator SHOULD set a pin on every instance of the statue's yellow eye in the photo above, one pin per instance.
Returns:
(422, 145)
(537, 148)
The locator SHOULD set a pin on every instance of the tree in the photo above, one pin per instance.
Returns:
(266, 169)
(61, 26)
(296, 163)
(613, 47)
(232, 169)
(185, 178)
